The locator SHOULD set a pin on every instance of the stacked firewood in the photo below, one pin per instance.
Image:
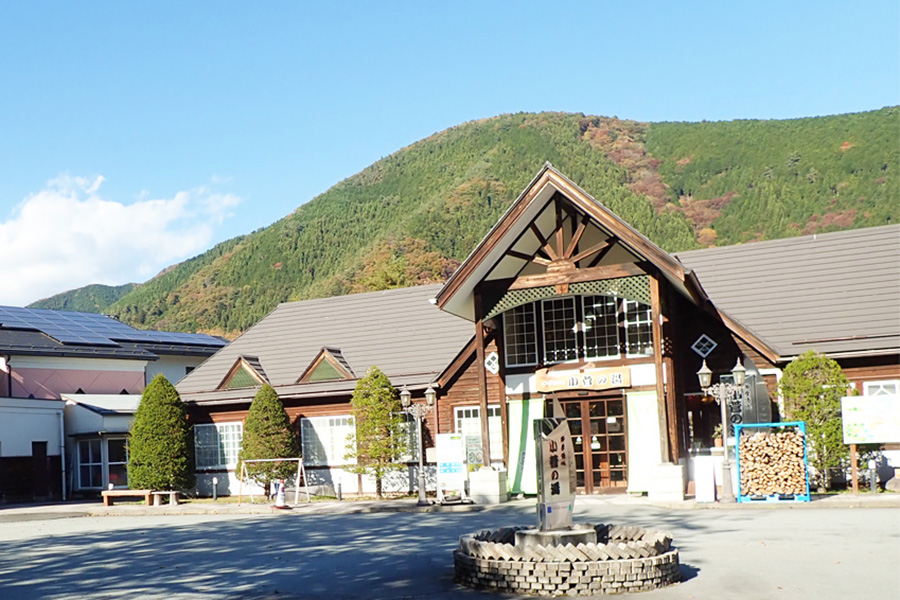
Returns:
(772, 463)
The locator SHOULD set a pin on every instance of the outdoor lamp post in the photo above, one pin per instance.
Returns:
(723, 394)
(418, 411)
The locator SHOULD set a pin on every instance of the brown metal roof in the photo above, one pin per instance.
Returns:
(836, 293)
(399, 331)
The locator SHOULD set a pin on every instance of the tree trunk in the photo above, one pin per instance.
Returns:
(378, 493)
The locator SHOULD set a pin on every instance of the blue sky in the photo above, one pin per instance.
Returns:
(134, 135)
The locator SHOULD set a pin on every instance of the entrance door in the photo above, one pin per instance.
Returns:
(39, 476)
(598, 431)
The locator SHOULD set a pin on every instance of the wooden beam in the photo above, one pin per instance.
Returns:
(595, 273)
(576, 237)
(545, 246)
(527, 257)
(667, 332)
(592, 250)
(560, 231)
(482, 377)
(661, 401)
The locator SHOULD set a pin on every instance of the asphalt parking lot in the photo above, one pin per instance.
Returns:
(789, 552)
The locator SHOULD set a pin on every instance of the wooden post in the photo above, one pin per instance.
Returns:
(482, 378)
(656, 328)
(853, 474)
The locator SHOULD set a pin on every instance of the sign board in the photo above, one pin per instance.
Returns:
(583, 379)
(474, 452)
(556, 472)
(451, 467)
(871, 419)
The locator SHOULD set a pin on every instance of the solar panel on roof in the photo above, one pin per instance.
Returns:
(92, 328)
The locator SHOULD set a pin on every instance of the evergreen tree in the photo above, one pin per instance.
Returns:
(380, 440)
(161, 446)
(812, 387)
(268, 434)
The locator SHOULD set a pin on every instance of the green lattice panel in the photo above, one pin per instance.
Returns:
(636, 288)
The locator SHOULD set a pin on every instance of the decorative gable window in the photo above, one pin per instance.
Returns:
(704, 345)
(247, 372)
(328, 365)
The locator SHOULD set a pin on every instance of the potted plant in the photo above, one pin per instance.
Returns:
(717, 436)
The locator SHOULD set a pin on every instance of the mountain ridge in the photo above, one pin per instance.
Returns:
(410, 217)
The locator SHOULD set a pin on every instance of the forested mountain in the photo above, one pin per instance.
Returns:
(412, 216)
(94, 298)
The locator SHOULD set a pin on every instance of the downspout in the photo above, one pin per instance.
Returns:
(62, 451)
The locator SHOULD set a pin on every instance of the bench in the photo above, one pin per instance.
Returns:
(108, 495)
(157, 497)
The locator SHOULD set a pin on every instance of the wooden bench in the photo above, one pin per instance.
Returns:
(157, 497)
(108, 495)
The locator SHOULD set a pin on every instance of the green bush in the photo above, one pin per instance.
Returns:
(812, 387)
(268, 434)
(161, 446)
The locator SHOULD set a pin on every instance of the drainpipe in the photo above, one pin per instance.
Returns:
(62, 451)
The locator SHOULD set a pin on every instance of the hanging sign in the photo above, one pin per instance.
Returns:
(583, 379)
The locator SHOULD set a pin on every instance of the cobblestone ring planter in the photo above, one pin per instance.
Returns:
(624, 559)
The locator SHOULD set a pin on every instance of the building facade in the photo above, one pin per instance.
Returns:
(49, 362)
(563, 300)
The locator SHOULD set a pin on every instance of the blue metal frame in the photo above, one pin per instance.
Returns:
(774, 497)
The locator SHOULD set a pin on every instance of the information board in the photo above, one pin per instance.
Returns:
(871, 419)
(451, 466)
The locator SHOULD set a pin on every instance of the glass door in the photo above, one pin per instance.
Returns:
(599, 435)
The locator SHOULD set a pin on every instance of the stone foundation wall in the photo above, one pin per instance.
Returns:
(625, 559)
(565, 578)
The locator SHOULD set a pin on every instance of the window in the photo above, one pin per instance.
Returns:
(521, 342)
(468, 423)
(638, 328)
(560, 339)
(601, 330)
(324, 440)
(90, 464)
(217, 445)
(117, 458)
(882, 388)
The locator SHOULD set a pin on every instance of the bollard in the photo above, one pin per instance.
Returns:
(873, 477)
(215, 488)
(337, 490)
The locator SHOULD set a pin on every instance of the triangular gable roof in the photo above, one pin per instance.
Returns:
(247, 369)
(328, 365)
(525, 230)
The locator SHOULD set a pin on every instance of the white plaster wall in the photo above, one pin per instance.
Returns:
(643, 440)
(23, 421)
(81, 420)
(172, 367)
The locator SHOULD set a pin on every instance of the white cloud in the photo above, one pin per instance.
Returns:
(67, 235)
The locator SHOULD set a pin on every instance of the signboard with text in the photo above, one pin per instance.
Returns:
(583, 379)
(871, 419)
(451, 467)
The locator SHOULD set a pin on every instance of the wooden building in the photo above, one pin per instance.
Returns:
(563, 299)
